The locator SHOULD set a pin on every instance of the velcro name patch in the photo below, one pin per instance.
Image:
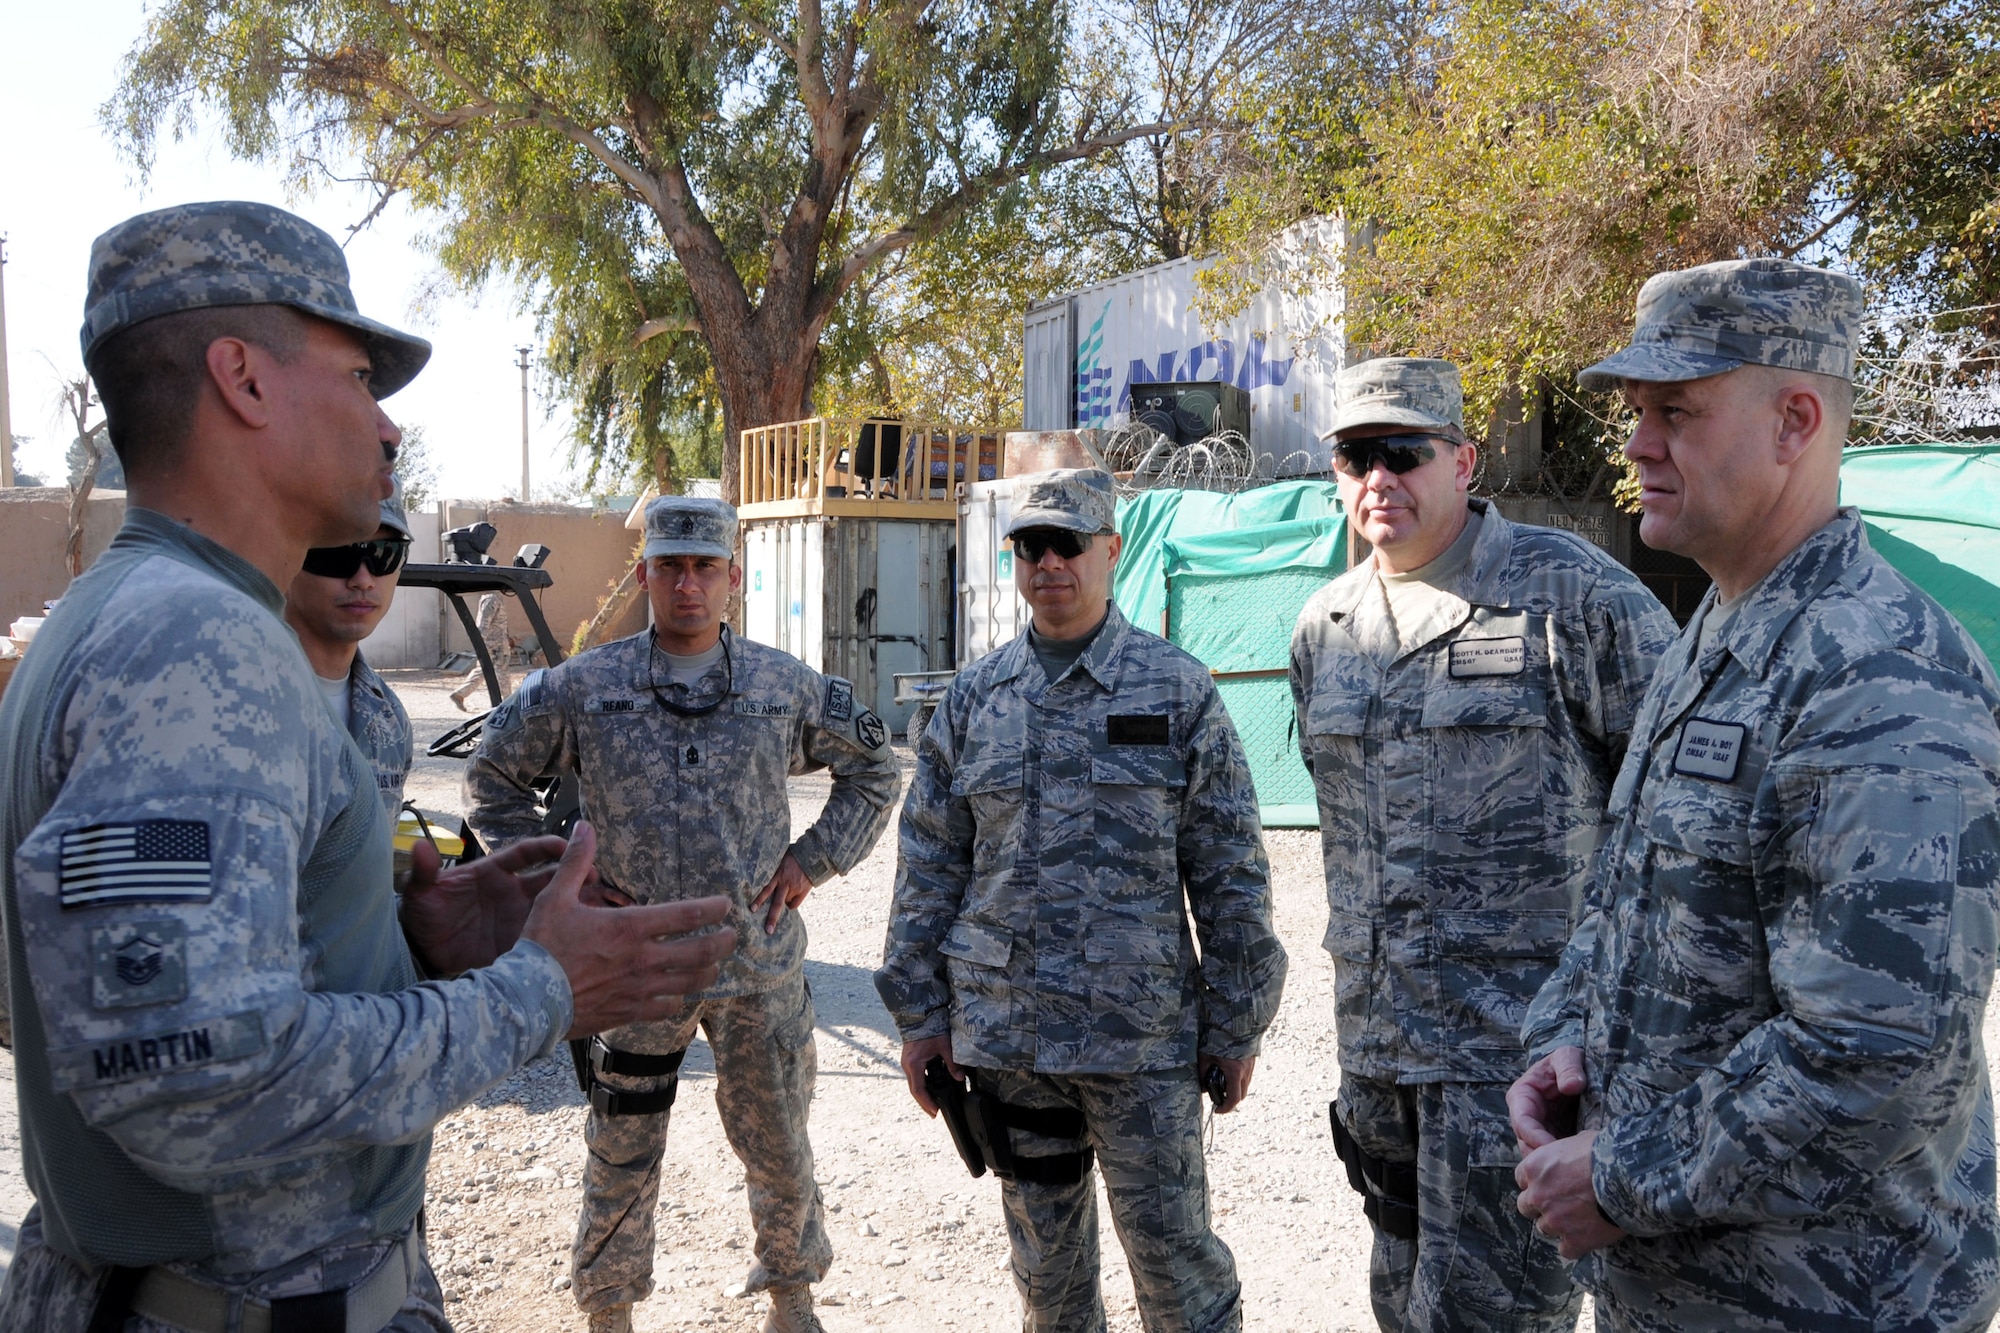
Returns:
(839, 700)
(123, 1059)
(1470, 658)
(761, 708)
(138, 963)
(1710, 750)
(1138, 729)
(616, 705)
(147, 861)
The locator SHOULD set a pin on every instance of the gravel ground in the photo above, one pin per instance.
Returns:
(919, 1245)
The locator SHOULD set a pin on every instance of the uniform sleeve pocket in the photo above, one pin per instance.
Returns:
(1349, 937)
(978, 943)
(1501, 934)
(1337, 712)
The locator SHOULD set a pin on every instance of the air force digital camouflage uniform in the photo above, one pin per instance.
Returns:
(376, 718)
(1461, 792)
(686, 788)
(1779, 983)
(227, 1071)
(1047, 841)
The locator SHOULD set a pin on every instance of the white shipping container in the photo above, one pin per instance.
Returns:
(863, 598)
(1283, 349)
(990, 611)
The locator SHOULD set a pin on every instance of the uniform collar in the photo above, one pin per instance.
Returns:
(1100, 659)
(1479, 583)
(1768, 609)
(364, 675)
(150, 530)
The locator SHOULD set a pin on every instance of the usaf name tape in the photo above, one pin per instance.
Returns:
(1710, 749)
(1471, 658)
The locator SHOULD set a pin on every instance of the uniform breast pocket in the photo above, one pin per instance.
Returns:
(1485, 741)
(991, 788)
(1136, 978)
(1336, 718)
(1136, 801)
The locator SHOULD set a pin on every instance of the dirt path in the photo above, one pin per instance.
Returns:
(919, 1244)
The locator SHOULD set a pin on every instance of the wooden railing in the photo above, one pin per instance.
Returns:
(873, 459)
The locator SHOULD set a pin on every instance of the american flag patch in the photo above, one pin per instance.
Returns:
(153, 860)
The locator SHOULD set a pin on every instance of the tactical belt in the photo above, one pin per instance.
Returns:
(366, 1307)
(601, 1059)
(1388, 1189)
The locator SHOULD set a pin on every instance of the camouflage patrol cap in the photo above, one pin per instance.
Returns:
(1697, 322)
(1399, 391)
(684, 525)
(194, 256)
(392, 511)
(1078, 498)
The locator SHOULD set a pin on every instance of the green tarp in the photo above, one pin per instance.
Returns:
(1933, 511)
(1225, 577)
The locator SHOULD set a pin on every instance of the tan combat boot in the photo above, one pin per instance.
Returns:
(617, 1319)
(792, 1312)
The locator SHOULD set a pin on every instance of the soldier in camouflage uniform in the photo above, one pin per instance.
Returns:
(1760, 1097)
(334, 603)
(1073, 789)
(683, 737)
(226, 1064)
(1463, 700)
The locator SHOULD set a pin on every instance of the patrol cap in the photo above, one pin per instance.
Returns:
(392, 511)
(1078, 498)
(1697, 322)
(1399, 391)
(194, 256)
(686, 525)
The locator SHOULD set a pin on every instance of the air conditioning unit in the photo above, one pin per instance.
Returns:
(1187, 411)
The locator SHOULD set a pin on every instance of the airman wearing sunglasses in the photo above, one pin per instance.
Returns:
(228, 1057)
(1078, 793)
(335, 602)
(1760, 1098)
(683, 736)
(1464, 697)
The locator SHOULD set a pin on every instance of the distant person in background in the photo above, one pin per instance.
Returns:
(491, 620)
(334, 603)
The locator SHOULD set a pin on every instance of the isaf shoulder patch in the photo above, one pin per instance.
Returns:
(147, 861)
(839, 699)
(142, 962)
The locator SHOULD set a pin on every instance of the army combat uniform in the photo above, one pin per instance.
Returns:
(227, 1071)
(1461, 793)
(687, 801)
(1779, 982)
(1048, 841)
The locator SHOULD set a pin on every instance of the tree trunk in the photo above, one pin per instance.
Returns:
(758, 391)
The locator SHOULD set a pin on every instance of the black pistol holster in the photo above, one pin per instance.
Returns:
(979, 1123)
(592, 1058)
(1389, 1189)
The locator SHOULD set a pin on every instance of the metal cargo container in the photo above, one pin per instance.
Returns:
(990, 612)
(1283, 349)
(858, 597)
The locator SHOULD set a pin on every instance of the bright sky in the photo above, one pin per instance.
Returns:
(62, 183)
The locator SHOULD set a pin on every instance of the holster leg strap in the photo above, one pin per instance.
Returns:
(602, 1059)
(1051, 1122)
(1388, 1189)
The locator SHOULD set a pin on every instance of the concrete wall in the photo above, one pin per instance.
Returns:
(409, 634)
(34, 529)
(590, 550)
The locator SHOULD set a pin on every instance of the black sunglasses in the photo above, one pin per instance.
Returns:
(383, 556)
(1031, 543)
(1399, 453)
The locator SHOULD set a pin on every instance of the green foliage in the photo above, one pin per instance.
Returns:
(688, 188)
(416, 470)
(22, 478)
